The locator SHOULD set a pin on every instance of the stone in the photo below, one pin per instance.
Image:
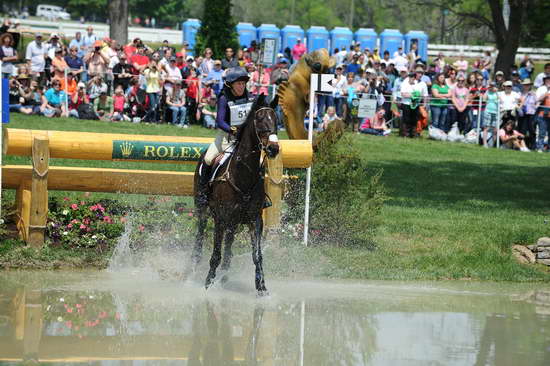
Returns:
(543, 255)
(532, 247)
(523, 255)
(543, 242)
(544, 261)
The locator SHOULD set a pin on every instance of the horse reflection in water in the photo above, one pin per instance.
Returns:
(238, 194)
(218, 348)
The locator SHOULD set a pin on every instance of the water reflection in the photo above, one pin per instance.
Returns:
(102, 320)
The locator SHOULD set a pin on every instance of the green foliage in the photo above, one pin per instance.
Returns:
(217, 29)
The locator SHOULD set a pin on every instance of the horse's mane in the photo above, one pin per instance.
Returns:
(259, 102)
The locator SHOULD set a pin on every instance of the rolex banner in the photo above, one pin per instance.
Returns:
(154, 150)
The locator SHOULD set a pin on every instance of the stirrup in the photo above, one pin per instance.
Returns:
(267, 202)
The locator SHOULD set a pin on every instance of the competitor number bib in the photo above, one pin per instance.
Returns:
(239, 113)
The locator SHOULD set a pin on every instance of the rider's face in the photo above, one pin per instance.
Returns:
(238, 88)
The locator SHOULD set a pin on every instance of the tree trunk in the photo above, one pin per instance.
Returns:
(507, 39)
(118, 20)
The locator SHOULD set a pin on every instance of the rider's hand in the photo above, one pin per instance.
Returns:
(233, 130)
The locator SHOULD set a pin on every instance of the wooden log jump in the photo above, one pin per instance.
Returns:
(33, 182)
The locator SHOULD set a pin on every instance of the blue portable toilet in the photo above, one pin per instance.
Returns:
(317, 37)
(247, 34)
(390, 40)
(367, 38)
(270, 31)
(190, 28)
(340, 37)
(421, 39)
(290, 35)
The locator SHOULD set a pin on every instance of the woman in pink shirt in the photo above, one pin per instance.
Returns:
(459, 96)
(298, 50)
(510, 138)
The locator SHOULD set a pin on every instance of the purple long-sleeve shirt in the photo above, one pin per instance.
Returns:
(223, 114)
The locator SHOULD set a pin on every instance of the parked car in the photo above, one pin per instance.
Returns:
(52, 12)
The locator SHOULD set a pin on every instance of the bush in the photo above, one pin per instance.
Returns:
(346, 197)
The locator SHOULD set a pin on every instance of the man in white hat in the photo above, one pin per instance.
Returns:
(36, 57)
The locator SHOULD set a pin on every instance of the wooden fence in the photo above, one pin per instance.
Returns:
(32, 182)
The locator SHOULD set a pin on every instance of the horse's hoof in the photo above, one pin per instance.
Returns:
(262, 293)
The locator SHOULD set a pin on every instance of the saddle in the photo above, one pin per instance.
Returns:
(219, 160)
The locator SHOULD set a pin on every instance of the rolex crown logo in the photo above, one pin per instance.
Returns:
(126, 148)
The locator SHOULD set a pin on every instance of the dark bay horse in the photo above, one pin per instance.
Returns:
(237, 193)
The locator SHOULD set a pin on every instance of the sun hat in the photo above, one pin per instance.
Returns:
(499, 73)
(508, 83)
(527, 82)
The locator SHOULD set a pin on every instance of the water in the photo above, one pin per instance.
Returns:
(134, 318)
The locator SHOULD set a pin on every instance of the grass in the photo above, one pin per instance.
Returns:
(454, 209)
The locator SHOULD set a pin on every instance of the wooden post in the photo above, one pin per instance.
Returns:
(23, 198)
(39, 191)
(274, 189)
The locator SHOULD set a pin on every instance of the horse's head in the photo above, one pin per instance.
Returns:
(265, 123)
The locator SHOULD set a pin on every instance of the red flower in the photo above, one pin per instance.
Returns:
(66, 199)
(78, 306)
(74, 206)
(141, 228)
(74, 221)
(69, 310)
(82, 226)
(86, 221)
(108, 220)
(102, 314)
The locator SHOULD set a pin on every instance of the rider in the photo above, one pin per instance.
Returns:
(234, 103)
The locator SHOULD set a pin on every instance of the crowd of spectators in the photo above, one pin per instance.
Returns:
(89, 77)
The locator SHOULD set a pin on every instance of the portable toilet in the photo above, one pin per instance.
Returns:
(390, 40)
(190, 28)
(290, 35)
(341, 38)
(270, 31)
(419, 38)
(367, 38)
(247, 33)
(317, 37)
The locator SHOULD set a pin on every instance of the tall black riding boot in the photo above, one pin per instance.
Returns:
(203, 189)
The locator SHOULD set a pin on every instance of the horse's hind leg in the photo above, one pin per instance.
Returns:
(199, 240)
(216, 254)
(256, 236)
(228, 250)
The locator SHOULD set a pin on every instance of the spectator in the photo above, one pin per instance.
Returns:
(15, 98)
(209, 112)
(140, 61)
(499, 79)
(70, 85)
(377, 126)
(543, 118)
(440, 100)
(280, 72)
(329, 116)
(512, 139)
(192, 95)
(516, 82)
(440, 63)
(96, 86)
(229, 61)
(215, 76)
(259, 84)
(207, 63)
(539, 80)
(123, 73)
(53, 101)
(487, 64)
(526, 68)
(354, 65)
(400, 61)
(74, 62)
(152, 79)
(36, 55)
(119, 105)
(476, 110)
(298, 50)
(175, 99)
(339, 85)
(96, 61)
(76, 43)
(131, 48)
(8, 55)
(459, 98)
(526, 112)
(89, 40)
(166, 47)
(461, 65)
(59, 65)
(490, 118)
(509, 99)
(103, 107)
(412, 92)
(172, 74)
(79, 98)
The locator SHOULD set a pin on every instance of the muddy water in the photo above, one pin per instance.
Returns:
(132, 318)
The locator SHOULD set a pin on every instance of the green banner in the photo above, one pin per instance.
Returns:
(154, 150)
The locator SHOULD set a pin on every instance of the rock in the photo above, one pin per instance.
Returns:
(543, 255)
(543, 242)
(523, 255)
(532, 247)
(544, 261)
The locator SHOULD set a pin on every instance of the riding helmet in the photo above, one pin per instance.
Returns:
(236, 74)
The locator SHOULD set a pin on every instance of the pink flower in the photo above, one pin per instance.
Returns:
(69, 310)
(69, 324)
(66, 199)
(117, 316)
(88, 229)
(82, 226)
(107, 219)
(78, 306)
(141, 228)
(93, 208)
(69, 226)
(74, 221)
(102, 314)
(86, 221)
(74, 206)
(190, 214)
(82, 203)
(99, 207)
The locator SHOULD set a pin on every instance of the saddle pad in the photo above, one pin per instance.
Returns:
(220, 160)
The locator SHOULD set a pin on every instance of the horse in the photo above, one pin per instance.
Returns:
(237, 193)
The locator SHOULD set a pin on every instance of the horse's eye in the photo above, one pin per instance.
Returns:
(317, 67)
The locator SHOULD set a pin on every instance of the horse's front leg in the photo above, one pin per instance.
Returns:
(228, 250)
(216, 253)
(199, 240)
(256, 235)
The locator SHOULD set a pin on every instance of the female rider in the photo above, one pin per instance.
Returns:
(234, 103)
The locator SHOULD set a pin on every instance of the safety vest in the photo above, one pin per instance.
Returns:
(238, 110)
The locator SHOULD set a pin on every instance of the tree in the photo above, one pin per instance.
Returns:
(118, 20)
(217, 30)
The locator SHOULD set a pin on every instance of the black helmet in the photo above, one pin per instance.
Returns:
(236, 74)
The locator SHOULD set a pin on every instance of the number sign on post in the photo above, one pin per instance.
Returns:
(366, 108)
(269, 51)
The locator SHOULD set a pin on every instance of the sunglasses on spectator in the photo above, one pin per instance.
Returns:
(460, 80)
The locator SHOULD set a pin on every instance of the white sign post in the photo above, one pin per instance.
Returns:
(318, 83)
(269, 53)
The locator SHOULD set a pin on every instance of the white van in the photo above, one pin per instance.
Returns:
(52, 12)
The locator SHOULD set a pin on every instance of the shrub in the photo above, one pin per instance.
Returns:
(346, 197)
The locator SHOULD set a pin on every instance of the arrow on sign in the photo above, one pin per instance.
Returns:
(323, 82)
